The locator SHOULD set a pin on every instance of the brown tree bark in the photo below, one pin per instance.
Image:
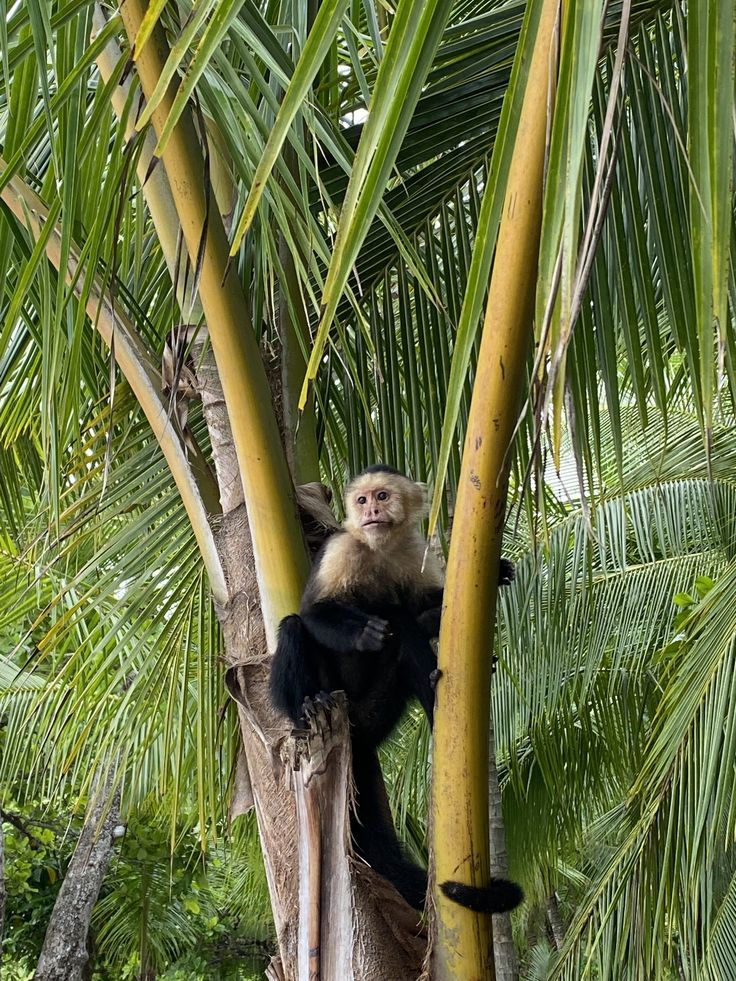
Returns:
(337, 890)
(64, 954)
(366, 931)
(2, 886)
(555, 920)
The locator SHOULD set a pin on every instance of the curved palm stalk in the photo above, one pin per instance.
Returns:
(160, 201)
(155, 186)
(198, 498)
(460, 781)
(281, 563)
(270, 540)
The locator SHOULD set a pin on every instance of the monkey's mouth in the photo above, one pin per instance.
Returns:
(376, 523)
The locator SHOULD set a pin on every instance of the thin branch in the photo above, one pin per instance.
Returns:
(602, 184)
(20, 825)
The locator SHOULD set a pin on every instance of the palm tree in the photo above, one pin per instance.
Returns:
(128, 502)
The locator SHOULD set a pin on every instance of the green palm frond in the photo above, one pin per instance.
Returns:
(619, 735)
(109, 638)
(119, 632)
(669, 853)
(411, 272)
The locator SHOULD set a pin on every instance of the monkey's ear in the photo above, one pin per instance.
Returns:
(315, 514)
(416, 495)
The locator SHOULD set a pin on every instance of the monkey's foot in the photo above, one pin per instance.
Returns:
(434, 677)
(317, 707)
(374, 635)
(324, 729)
(506, 572)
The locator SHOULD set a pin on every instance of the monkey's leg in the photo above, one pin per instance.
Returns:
(293, 677)
(429, 621)
(373, 830)
(344, 628)
(418, 664)
(429, 612)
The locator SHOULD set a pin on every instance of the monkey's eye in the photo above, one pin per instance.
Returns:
(361, 499)
(382, 495)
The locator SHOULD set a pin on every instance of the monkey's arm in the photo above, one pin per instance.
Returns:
(429, 622)
(429, 608)
(344, 628)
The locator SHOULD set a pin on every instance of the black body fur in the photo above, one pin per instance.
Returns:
(333, 646)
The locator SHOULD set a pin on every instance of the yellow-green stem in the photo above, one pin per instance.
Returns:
(281, 565)
(463, 947)
(160, 203)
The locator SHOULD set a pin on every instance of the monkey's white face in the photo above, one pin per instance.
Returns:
(376, 509)
(375, 512)
(381, 507)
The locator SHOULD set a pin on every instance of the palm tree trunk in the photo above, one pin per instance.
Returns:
(504, 949)
(2, 886)
(555, 920)
(64, 954)
(363, 927)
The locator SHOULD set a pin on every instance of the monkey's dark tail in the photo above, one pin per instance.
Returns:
(373, 830)
(498, 897)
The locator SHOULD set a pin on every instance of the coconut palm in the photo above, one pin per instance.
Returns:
(213, 165)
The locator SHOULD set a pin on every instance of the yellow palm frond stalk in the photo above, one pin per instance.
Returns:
(280, 567)
(463, 946)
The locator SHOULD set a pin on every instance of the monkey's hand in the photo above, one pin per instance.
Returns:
(374, 635)
(506, 572)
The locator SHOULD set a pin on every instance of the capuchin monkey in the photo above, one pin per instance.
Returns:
(368, 614)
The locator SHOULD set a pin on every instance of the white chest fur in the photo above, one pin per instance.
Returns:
(349, 566)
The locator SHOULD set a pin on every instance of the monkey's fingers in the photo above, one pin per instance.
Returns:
(316, 709)
(374, 635)
(434, 677)
(307, 713)
(326, 699)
